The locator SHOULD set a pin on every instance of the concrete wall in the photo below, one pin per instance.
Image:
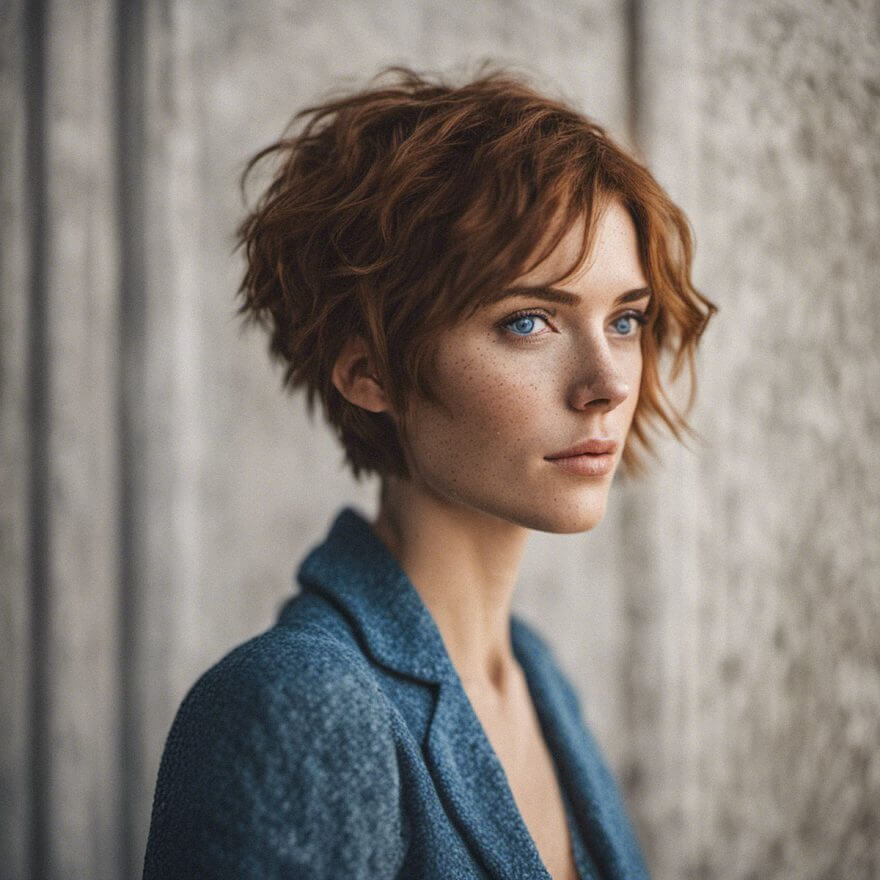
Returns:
(722, 623)
(763, 616)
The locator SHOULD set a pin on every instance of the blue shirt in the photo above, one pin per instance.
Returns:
(341, 744)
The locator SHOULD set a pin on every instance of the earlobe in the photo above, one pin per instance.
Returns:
(355, 378)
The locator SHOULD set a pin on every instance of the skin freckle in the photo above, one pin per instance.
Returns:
(513, 404)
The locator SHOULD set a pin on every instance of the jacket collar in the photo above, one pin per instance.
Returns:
(354, 570)
(357, 572)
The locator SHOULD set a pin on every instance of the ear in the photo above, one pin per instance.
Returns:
(355, 379)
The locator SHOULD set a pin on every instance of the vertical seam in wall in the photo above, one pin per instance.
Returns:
(130, 152)
(633, 773)
(632, 17)
(38, 425)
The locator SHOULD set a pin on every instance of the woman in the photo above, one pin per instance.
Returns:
(477, 284)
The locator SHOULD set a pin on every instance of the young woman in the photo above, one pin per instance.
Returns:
(477, 284)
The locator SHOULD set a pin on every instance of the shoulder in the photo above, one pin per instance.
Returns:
(285, 667)
(282, 756)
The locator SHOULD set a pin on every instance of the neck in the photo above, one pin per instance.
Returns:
(464, 564)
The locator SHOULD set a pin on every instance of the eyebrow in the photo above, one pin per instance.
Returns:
(566, 297)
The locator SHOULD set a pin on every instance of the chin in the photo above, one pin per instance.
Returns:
(559, 515)
(564, 511)
(561, 523)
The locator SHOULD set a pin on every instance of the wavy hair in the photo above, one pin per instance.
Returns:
(396, 211)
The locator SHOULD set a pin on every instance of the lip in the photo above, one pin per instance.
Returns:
(589, 458)
(594, 447)
(586, 465)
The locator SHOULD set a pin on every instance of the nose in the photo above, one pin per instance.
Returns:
(601, 382)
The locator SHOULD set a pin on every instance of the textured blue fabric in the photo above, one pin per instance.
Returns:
(341, 744)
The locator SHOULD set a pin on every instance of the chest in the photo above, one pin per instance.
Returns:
(531, 775)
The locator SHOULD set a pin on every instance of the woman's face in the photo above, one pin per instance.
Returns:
(529, 377)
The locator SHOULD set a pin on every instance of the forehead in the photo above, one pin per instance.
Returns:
(612, 257)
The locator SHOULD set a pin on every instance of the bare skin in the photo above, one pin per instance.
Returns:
(495, 684)
(516, 390)
(514, 731)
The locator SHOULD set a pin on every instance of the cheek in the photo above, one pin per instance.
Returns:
(487, 404)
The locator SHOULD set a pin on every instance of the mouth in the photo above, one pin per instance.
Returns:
(590, 458)
(593, 446)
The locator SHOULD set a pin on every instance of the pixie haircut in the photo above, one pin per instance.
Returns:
(397, 211)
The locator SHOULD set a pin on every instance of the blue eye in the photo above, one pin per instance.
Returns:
(624, 324)
(523, 325)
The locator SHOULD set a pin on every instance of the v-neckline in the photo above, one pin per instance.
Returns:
(358, 575)
(586, 867)
(584, 864)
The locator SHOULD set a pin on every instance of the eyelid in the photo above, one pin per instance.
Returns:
(544, 314)
(640, 315)
(636, 315)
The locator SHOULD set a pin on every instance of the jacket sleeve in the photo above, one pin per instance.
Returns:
(281, 763)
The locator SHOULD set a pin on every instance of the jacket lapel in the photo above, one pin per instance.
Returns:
(475, 790)
(595, 798)
(355, 571)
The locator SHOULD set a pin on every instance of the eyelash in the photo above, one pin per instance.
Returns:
(639, 317)
(525, 313)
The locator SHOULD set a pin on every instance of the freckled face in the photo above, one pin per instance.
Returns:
(525, 378)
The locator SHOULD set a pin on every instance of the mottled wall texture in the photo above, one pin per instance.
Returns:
(158, 490)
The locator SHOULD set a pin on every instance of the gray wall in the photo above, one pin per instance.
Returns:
(722, 623)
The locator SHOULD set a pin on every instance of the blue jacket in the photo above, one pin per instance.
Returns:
(341, 744)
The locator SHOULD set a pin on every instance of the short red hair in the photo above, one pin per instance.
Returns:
(400, 209)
